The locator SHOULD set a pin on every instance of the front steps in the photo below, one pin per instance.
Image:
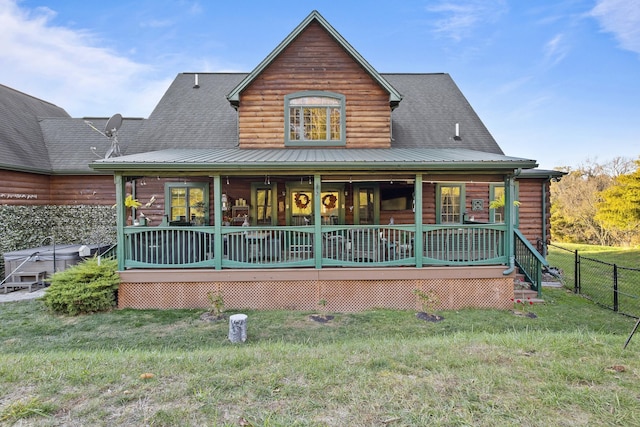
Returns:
(522, 290)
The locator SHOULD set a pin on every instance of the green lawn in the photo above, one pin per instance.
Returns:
(597, 274)
(629, 257)
(376, 368)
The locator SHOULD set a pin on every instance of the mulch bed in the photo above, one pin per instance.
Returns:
(528, 314)
(209, 317)
(321, 318)
(428, 317)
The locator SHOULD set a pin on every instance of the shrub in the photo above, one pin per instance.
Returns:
(216, 304)
(87, 287)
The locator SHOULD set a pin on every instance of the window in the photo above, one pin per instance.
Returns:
(496, 197)
(314, 118)
(330, 207)
(450, 198)
(496, 214)
(301, 203)
(187, 203)
(264, 204)
(367, 208)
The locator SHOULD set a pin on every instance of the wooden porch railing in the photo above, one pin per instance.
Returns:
(295, 246)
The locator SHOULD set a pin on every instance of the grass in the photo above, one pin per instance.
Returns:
(379, 367)
(597, 274)
(622, 256)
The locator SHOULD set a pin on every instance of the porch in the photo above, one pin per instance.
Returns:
(352, 268)
(365, 229)
(317, 247)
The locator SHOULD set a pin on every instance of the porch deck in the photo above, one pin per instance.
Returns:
(351, 267)
(344, 289)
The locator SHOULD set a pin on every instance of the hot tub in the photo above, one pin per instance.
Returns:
(49, 258)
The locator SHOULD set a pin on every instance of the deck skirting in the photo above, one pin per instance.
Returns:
(343, 289)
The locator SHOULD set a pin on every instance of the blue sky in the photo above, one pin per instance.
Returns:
(556, 81)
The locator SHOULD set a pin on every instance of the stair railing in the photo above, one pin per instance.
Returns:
(529, 261)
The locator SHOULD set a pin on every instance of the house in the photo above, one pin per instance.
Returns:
(313, 177)
(48, 193)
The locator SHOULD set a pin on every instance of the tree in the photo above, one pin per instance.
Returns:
(619, 208)
(576, 199)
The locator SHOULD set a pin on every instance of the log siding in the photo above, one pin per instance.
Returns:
(314, 62)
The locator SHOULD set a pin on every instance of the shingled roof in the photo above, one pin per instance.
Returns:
(21, 140)
(72, 144)
(39, 136)
(197, 112)
(188, 117)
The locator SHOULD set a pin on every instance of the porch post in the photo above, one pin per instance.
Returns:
(317, 220)
(417, 197)
(509, 197)
(217, 222)
(120, 219)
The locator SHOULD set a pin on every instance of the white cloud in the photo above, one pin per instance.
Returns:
(68, 67)
(622, 18)
(460, 18)
(156, 23)
(556, 49)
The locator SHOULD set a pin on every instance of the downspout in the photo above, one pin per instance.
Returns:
(317, 219)
(121, 219)
(509, 192)
(218, 240)
(418, 240)
(544, 216)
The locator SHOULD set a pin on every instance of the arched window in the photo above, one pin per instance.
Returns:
(314, 119)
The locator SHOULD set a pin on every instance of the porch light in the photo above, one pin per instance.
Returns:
(224, 201)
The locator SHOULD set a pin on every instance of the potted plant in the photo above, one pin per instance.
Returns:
(130, 203)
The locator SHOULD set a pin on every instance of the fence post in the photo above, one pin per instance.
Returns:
(615, 287)
(576, 273)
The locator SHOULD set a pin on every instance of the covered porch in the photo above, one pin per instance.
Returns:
(279, 232)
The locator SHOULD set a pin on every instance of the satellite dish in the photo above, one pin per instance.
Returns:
(111, 132)
(113, 124)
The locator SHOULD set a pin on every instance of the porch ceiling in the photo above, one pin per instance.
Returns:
(318, 160)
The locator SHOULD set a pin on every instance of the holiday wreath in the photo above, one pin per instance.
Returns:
(329, 201)
(302, 200)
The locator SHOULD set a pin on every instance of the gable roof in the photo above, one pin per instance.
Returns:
(41, 137)
(21, 139)
(394, 96)
(188, 117)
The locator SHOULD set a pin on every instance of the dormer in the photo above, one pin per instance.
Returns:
(314, 90)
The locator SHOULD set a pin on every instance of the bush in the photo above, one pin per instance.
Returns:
(87, 287)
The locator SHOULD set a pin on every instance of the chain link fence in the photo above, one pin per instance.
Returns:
(609, 285)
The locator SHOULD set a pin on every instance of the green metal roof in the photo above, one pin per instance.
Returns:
(394, 96)
(318, 160)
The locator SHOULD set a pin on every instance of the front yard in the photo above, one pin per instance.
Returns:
(380, 367)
